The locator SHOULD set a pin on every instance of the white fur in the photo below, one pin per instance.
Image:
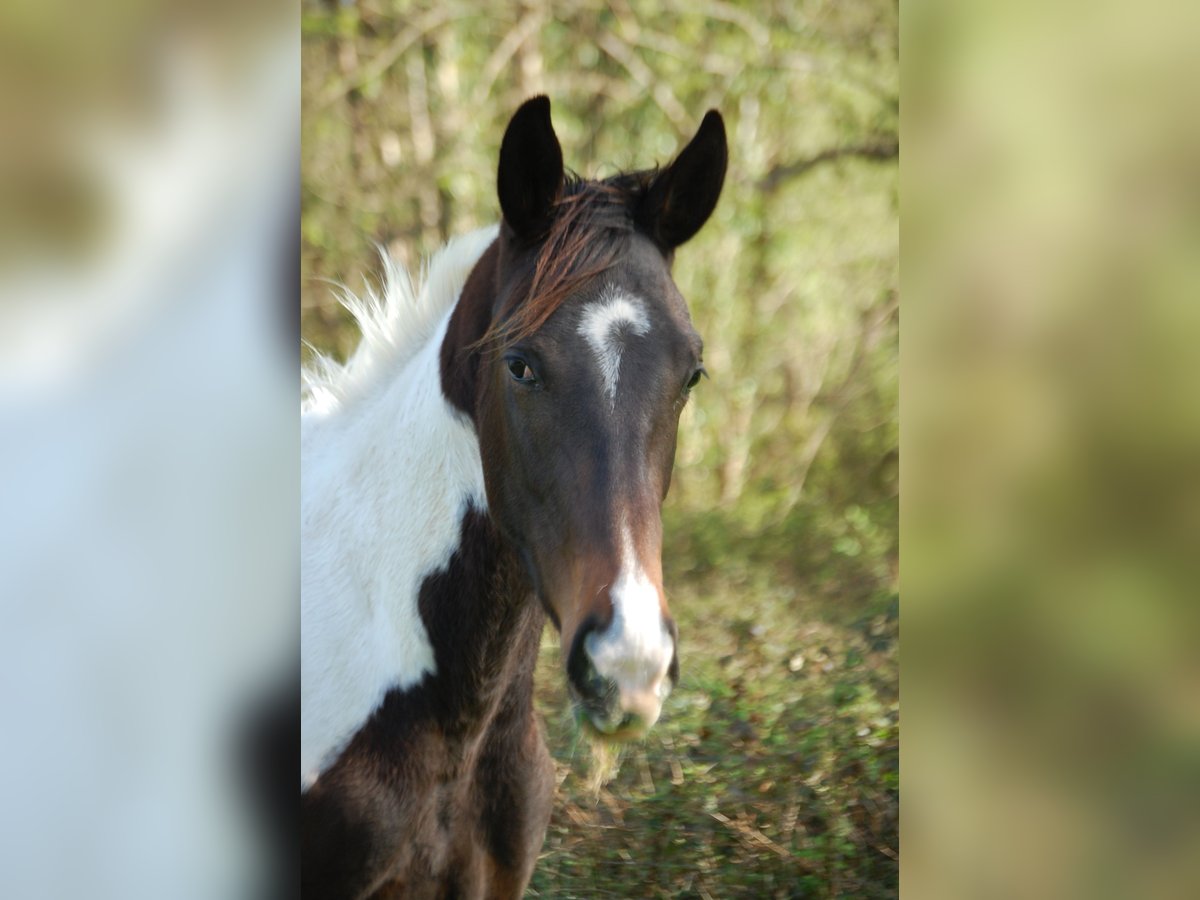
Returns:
(599, 325)
(388, 468)
(393, 326)
(635, 650)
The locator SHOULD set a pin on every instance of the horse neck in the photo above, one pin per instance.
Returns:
(475, 602)
(485, 628)
(406, 585)
(460, 581)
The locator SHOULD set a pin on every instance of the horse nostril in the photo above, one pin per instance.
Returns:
(581, 671)
(628, 721)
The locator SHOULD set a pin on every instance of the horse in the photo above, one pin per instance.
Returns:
(495, 453)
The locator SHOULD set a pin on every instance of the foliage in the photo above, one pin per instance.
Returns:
(774, 772)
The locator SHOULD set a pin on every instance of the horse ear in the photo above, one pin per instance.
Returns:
(531, 169)
(683, 195)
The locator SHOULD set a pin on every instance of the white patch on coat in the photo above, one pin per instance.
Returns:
(635, 650)
(388, 469)
(600, 325)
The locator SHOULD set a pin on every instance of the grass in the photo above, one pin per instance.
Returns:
(774, 771)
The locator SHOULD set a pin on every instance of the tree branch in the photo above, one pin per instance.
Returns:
(642, 74)
(879, 150)
(386, 58)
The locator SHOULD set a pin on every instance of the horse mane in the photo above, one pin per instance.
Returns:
(394, 321)
(591, 223)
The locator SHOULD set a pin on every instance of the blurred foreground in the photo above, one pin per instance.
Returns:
(148, 451)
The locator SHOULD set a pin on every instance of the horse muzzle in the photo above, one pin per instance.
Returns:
(620, 679)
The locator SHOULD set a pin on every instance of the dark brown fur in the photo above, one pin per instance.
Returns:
(446, 791)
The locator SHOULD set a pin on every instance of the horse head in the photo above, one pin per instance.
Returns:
(574, 354)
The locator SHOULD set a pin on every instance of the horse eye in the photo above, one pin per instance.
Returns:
(695, 379)
(520, 370)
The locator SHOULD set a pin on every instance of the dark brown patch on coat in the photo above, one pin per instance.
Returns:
(449, 783)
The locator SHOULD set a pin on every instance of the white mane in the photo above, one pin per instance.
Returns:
(394, 323)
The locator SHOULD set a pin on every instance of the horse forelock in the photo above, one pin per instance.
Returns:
(589, 232)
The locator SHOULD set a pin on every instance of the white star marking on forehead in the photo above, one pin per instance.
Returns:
(600, 324)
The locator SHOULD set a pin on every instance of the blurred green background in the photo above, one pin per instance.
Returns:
(774, 772)
(1052, 451)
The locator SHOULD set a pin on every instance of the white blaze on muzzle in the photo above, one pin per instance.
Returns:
(635, 650)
